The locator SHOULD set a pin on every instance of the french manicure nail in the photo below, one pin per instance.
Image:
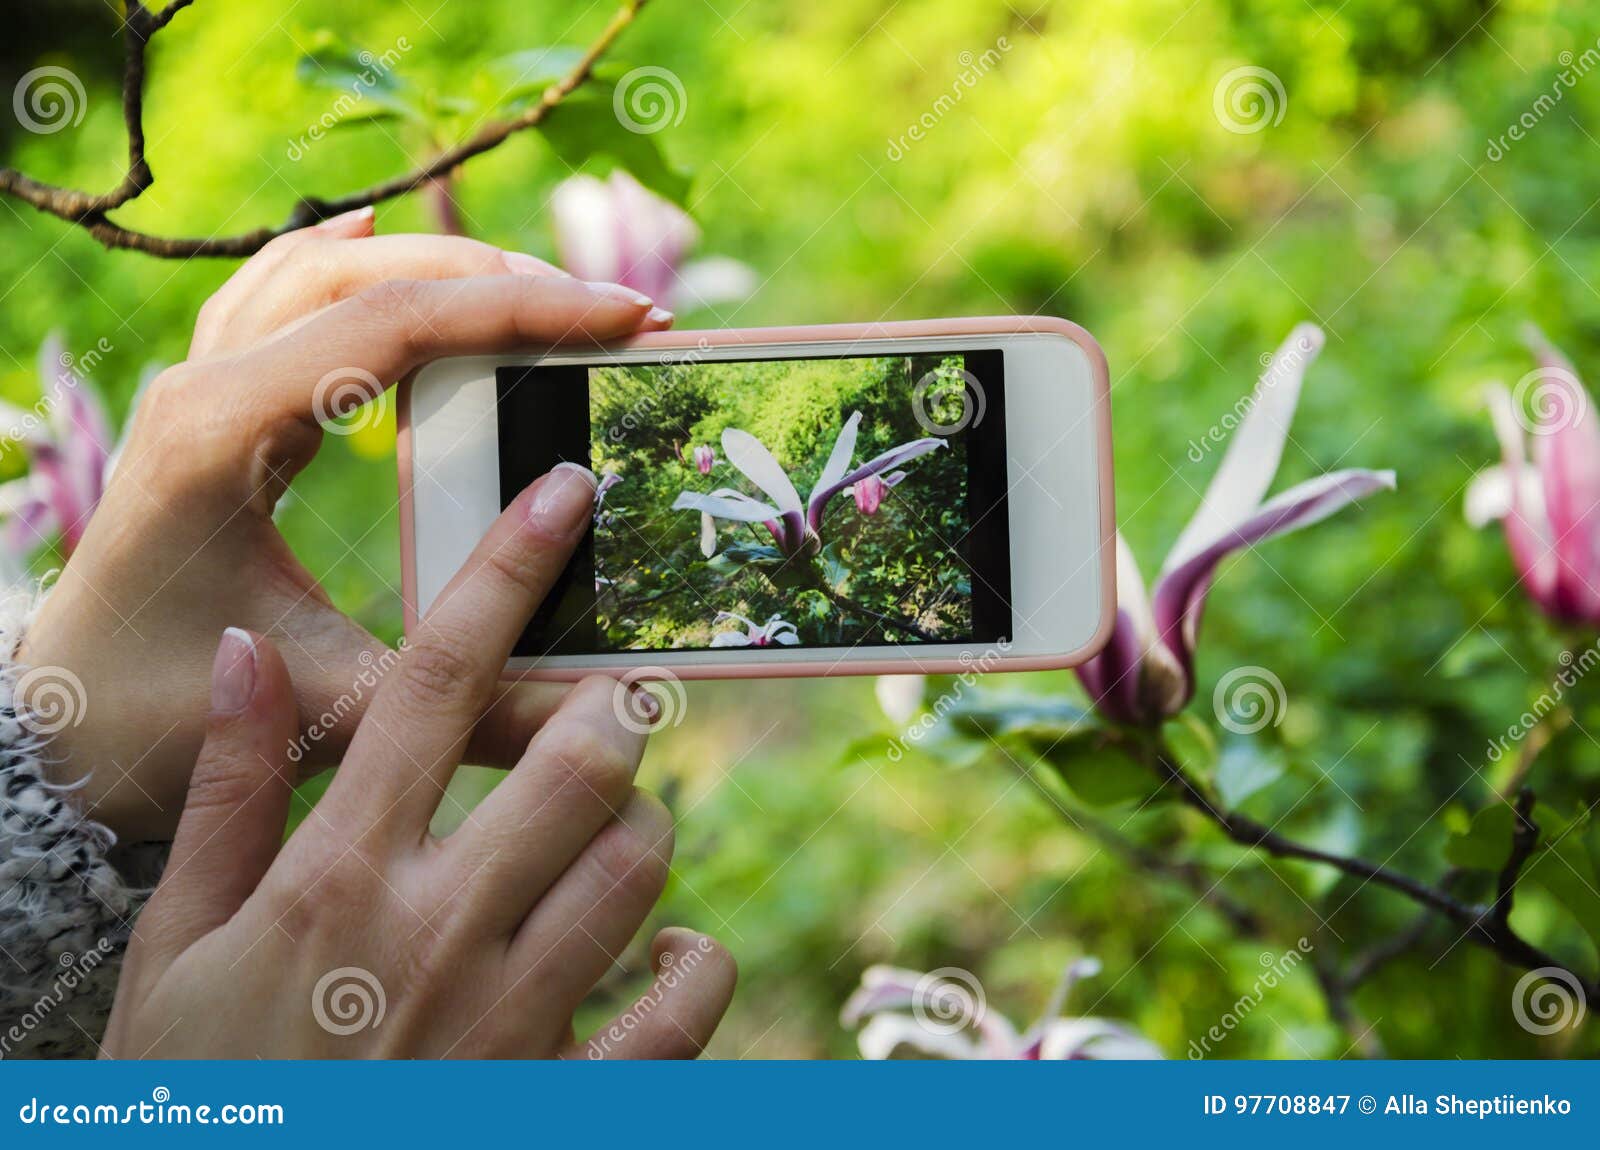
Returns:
(338, 222)
(562, 500)
(522, 264)
(233, 674)
(659, 315)
(618, 291)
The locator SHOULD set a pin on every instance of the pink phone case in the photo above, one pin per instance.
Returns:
(833, 333)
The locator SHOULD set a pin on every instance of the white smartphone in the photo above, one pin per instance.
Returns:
(931, 496)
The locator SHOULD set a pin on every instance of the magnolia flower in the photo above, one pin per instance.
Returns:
(949, 1019)
(1550, 510)
(1146, 672)
(869, 492)
(794, 526)
(774, 630)
(705, 458)
(617, 231)
(67, 438)
(900, 696)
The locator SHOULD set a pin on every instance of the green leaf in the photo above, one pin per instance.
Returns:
(360, 77)
(1097, 770)
(1562, 864)
(1244, 768)
(508, 80)
(585, 133)
(1486, 843)
(1021, 714)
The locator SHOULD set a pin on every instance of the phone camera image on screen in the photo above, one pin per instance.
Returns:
(808, 502)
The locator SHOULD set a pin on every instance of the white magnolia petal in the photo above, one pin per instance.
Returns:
(751, 457)
(708, 534)
(900, 696)
(588, 233)
(1254, 450)
(1095, 1038)
(713, 280)
(887, 1033)
(730, 639)
(721, 506)
(844, 450)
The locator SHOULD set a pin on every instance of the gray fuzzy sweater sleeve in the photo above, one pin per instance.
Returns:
(68, 895)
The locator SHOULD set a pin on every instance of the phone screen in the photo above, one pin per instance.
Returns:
(818, 502)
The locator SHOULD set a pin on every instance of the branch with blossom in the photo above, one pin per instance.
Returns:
(90, 211)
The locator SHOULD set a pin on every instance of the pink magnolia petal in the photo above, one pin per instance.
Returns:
(1255, 449)
(712, 281)
(583, 212)
(1064, 1039)
(894, 457)
(654, 235)
(1180, 593)
(882, 988)
(1527, 526)
(1134, 679)
(1566, 450)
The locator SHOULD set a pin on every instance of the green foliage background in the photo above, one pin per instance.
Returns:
(1085, 175)
(905, 562)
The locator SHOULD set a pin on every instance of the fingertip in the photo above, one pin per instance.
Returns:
(349, 225)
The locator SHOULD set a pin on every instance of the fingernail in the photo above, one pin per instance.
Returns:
(649, 706)
(233, 674)
(522, 264)
(659, 315)
(618, 291)
(337, 222)
(562, 501)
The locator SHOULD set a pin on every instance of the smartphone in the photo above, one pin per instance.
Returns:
(932, 496)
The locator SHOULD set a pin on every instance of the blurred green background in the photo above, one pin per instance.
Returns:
(1086, 174)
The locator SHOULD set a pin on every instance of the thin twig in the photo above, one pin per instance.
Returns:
(88, 211)
(1479, 923)
(1524, 837)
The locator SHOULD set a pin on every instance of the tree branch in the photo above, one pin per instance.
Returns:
(1481, 924)
(88, 211)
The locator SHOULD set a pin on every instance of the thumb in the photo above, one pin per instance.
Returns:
(238, 801)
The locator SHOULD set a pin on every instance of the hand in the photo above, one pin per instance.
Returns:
(364, 935)
(183, 543)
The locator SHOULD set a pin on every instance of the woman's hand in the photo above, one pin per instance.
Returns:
(184, 544)
(364, 935)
